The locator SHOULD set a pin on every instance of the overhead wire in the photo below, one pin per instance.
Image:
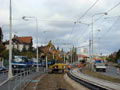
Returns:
(71, 32)
(88, 9)
(110, 28)
(108, 11)
(82, 17)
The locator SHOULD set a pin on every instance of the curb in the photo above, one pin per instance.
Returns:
(74, 84)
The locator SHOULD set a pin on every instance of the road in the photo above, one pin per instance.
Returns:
(111, 71)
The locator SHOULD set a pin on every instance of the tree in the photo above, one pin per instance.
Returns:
(1, 35)
(24, 49)
(2, 48)
(112, 57)
(117, 55)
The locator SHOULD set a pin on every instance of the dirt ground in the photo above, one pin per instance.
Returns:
(49, 82)
(32, 85)
(53, 82)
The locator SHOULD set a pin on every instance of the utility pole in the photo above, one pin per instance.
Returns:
(46, 63)
(71, 55)
(92, 39)
(10, 43)
(37, 45)
(26, 18)
(64, 58)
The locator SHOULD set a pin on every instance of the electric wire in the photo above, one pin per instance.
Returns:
(110, 28)
(71, 32)
(88, 10)
(108, 11)
(82, 17)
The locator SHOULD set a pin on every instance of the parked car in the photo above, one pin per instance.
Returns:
(3, 69)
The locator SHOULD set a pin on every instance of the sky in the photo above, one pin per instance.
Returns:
(56, 22)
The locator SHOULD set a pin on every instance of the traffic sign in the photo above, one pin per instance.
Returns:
(118, 60)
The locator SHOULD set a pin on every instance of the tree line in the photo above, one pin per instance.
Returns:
(114, 56)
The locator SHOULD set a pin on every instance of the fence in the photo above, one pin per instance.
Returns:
(20, 80)
(3, 76)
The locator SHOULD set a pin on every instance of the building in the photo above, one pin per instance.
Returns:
(84, 51)
(82, 57)
(20, 43)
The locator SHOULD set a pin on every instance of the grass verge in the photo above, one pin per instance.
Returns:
(100, 76)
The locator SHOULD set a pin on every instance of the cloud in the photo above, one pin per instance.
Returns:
(57, 17)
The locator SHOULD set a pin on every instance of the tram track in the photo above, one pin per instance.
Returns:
(90, 84)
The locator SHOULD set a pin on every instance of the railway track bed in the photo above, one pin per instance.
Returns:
(91, 82)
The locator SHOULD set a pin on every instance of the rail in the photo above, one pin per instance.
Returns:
(94, 83)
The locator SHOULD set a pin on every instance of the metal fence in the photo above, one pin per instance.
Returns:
(20, 80)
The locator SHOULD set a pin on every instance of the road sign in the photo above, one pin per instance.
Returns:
(118, 60)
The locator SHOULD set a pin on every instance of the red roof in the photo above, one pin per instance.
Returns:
(80, 55)
(26, 40)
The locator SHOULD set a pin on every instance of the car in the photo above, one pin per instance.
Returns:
(3, 69)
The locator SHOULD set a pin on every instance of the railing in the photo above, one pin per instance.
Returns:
(3, 76)
(20, 80)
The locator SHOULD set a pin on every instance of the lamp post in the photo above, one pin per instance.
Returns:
(10, 43)
(89, 40)
(26, 18)
(45, 38)
(92, 40)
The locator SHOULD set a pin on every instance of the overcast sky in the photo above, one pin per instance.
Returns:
(56, 22)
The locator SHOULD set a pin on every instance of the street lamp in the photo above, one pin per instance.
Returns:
(45, 38)
(82, 23)
(91, 45)
(27, 18)
(10, 42)
(89, 40)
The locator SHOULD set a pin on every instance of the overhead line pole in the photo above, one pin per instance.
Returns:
(10, 43)
(92, 39)
(24, 17)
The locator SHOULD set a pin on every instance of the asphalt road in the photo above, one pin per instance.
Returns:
(111, 71)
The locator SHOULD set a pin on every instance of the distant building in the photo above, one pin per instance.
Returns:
(84, 51)
(82, 57)
(20, 43)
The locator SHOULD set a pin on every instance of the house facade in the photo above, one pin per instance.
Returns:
(82, 57)
(20, 43)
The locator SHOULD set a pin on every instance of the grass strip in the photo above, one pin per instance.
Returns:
(100, 76)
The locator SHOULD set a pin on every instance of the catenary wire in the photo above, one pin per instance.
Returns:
(82, 17)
